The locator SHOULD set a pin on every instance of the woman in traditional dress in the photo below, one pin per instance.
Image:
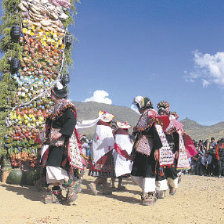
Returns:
(146, 143)
(168, 173)
(102, 154)
(62, 159)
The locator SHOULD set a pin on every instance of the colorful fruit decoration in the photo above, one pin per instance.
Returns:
(40, 57)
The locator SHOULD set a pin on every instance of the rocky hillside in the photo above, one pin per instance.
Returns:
(90, 110)
(198, 131)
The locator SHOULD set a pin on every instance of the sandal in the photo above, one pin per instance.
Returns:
(71, 196)
(172, 191)
(77, 187)
(160, 194)
(148, 199)
(51, 198)
(92, 187)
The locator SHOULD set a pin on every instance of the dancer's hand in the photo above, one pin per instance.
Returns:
(156, 154)
(176, 154)
(134, 131)
(56, 136)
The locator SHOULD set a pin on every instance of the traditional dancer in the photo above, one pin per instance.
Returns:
(168, 173)
(122, 151)
(62, 158)
(146, 143)
(102, 149)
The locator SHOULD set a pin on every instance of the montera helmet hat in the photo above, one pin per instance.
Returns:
(142, 102)
(163, 106)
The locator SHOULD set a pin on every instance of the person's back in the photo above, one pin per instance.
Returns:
(220, 156)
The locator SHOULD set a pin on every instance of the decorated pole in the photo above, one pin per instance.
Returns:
(37, 48)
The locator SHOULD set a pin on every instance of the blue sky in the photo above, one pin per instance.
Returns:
(169, 50)
(163, 49)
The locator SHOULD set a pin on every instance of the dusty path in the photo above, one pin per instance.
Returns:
(199, 200)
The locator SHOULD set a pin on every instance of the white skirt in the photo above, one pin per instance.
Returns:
(56, 175)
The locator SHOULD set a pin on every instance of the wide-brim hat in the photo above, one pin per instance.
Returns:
(105, 116)
(60, 91)
(123, 125)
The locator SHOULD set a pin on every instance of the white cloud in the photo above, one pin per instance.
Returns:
(99, 96)
(208, 68)
(205, 83)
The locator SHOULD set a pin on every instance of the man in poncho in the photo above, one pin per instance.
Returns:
(122, 152)
(102, 157)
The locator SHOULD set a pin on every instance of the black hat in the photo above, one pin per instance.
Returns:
(65, 79)
(60, 91)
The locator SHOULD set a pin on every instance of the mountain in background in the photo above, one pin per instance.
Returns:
(90, 110)
(197, 131)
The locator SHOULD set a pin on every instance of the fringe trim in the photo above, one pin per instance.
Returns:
(55, 116)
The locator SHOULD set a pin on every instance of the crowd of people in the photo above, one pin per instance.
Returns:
(153, 155)
(210, 158)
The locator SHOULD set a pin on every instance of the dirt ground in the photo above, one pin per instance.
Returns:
(199, 200)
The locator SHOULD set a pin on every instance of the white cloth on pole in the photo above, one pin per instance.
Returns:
(86, 124)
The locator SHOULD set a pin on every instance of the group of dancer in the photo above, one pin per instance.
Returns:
(152, 159)
(152, 155)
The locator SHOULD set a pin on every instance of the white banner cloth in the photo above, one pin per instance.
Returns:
(86, 124)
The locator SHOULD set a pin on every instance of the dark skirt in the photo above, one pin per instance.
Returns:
(104, 167)
(166, 172)
(143, 166)
(55, 157)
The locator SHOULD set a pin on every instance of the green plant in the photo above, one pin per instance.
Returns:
(8, 86)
